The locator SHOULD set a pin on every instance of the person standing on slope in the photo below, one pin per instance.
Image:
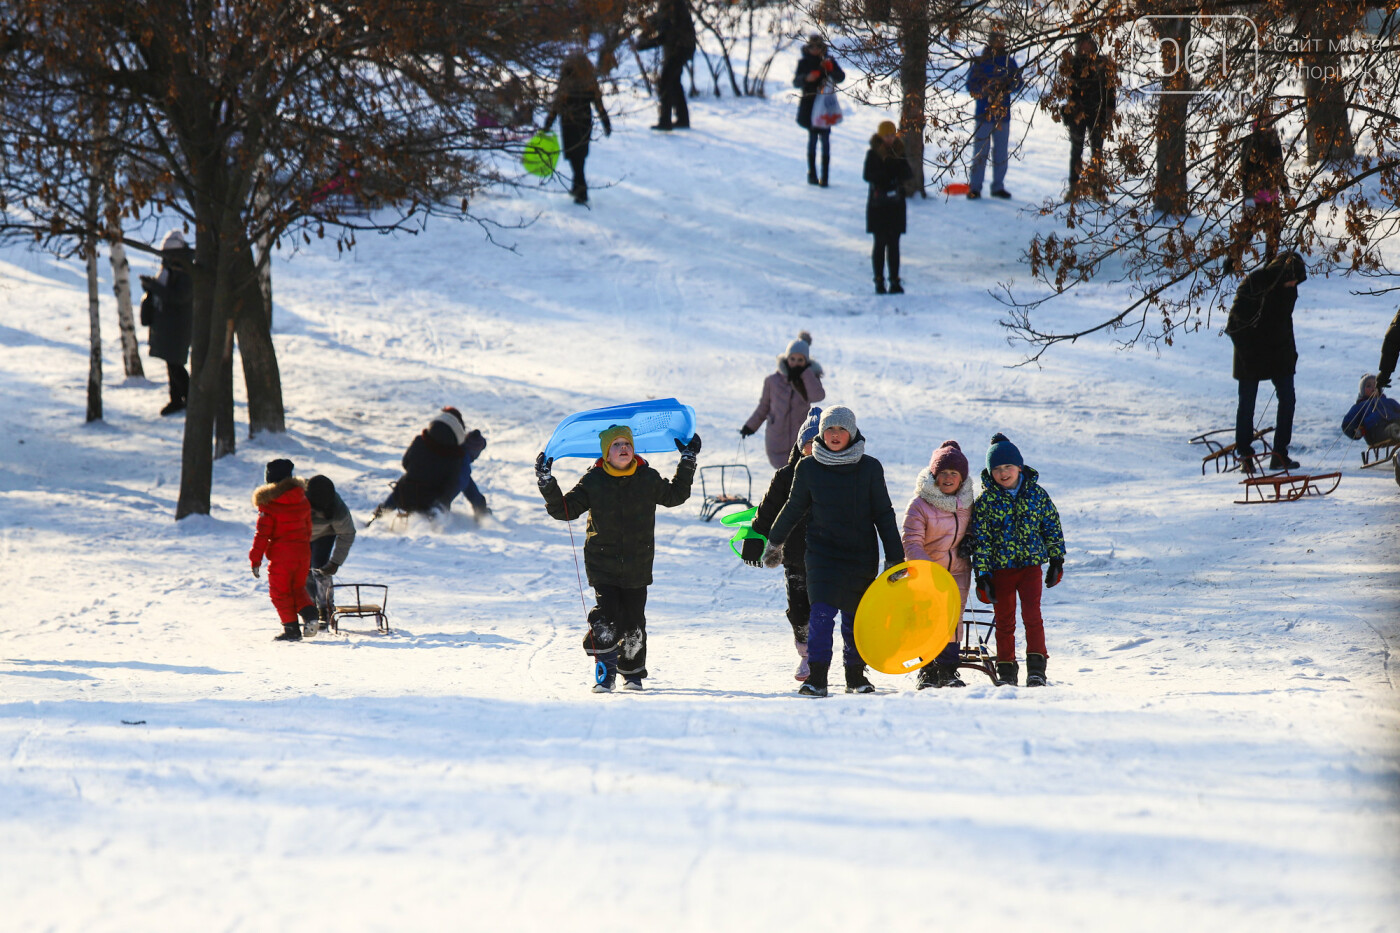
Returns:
(620, 493)
(886, 170)
(992, 78)
(574, 103)
(842, 494)
(793, 555)
(283, 536)
(673, 30)
(787, 394)
(815, 68)
(168, 310)
(935, 523)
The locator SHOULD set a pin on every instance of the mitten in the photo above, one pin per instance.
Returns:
(966, 548)
(752, 552)
(773, 556)
(747, 431)
(985, 591)
(328, 568)
(1055, 571)
(257, 570)
(543, 476)
(1383, 381)
(689, 450)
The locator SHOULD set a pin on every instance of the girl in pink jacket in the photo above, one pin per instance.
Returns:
(934, 526)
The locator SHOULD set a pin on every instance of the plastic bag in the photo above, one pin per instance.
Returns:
(826, 109)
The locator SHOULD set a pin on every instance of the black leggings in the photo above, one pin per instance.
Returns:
(179, 382)
(625, 608)
(886, 248)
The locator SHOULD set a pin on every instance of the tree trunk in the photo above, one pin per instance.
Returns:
(1169, 194)
(913, 80)
(212, 312)
(261, 377)
(126, 322)
(94, 386)
(225, 437)
(1329, 125)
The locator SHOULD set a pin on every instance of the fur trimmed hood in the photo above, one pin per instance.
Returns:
(925, 488)
(267, 493)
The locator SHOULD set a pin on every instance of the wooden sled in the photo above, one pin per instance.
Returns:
(1223, 456)
(1378, 453)
(1287, 487)
(722, 490)
(360, 601)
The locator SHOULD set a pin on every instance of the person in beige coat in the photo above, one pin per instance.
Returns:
(934, 525)
(788, 395)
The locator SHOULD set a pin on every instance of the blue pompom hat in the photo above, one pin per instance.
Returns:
(810, 428)
(1003, 452)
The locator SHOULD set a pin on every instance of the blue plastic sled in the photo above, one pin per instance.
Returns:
(656, 426)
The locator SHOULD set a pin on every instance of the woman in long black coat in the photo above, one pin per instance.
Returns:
(574, 103)
(1261, 328)
(815, 68)
(886, 170)
(843, 495)
(168, 309)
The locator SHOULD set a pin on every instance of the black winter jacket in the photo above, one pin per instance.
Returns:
(1261, 324)
(1091, 97)
(807, 64)
(846, 507)
(795, 550)
(673, 31)
(886, 171)
(1390, 347)
(432, 468)
(621, 539)
(170, 329)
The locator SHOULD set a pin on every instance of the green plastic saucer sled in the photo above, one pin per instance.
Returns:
(743, 523)
(541, 154)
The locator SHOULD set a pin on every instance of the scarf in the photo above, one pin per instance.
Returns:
(614, 471)
(850, 455)
(925, 488)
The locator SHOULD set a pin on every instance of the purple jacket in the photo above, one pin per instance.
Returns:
(784, 408)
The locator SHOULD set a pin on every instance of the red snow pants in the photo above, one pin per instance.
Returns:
(1026, 583)
(287, 567)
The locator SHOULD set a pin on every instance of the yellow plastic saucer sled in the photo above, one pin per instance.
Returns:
(907, 616)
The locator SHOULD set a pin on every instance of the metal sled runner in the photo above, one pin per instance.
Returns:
(359, 601)
(1376, 454)
(721, 490)
(1224, 456)
(973, 652)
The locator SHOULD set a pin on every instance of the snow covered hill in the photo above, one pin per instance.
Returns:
(1220, 749)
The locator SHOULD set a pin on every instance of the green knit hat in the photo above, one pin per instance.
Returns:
(612, 433)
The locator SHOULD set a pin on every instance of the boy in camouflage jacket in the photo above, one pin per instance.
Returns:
(1015, 528)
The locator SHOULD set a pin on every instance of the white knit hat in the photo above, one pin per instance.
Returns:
(459, 433)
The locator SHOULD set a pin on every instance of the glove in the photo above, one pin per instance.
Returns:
(814, 75)
(829, 66)
(1055, 571)
(689, 450)
(747, 431)
(773, 556)
(965, 548)
(481, 513)
(985, 591)
(891, 563)
(328, 569)
(752, 552)
(1383, 381)
(257, 570)
(542, 474)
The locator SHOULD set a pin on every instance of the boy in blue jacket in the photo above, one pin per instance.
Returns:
(1374, 416)
(1015, 528)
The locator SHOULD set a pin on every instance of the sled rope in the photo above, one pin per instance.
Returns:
(577, 575)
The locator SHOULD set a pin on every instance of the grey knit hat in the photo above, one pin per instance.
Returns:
(798, 346)
(839, 416)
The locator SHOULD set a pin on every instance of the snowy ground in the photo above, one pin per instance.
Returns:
(1220, 749)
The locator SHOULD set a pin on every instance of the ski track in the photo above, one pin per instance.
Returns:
(1220, 749)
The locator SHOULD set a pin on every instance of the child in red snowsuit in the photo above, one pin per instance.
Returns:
(284, 536)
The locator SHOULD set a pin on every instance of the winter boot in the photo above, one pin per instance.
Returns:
(802, 668)
(856, 681)
(895, 287)
(309, 622)
(1035, 671)
(291, 631)
(812, 178)
(174, 407)
(1008, 673)
(928, 677)
(605, 672)
(1281, 461)
(948, 675)
(879, 285)
(815, 685)
(632, 682)
(1003, 194)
